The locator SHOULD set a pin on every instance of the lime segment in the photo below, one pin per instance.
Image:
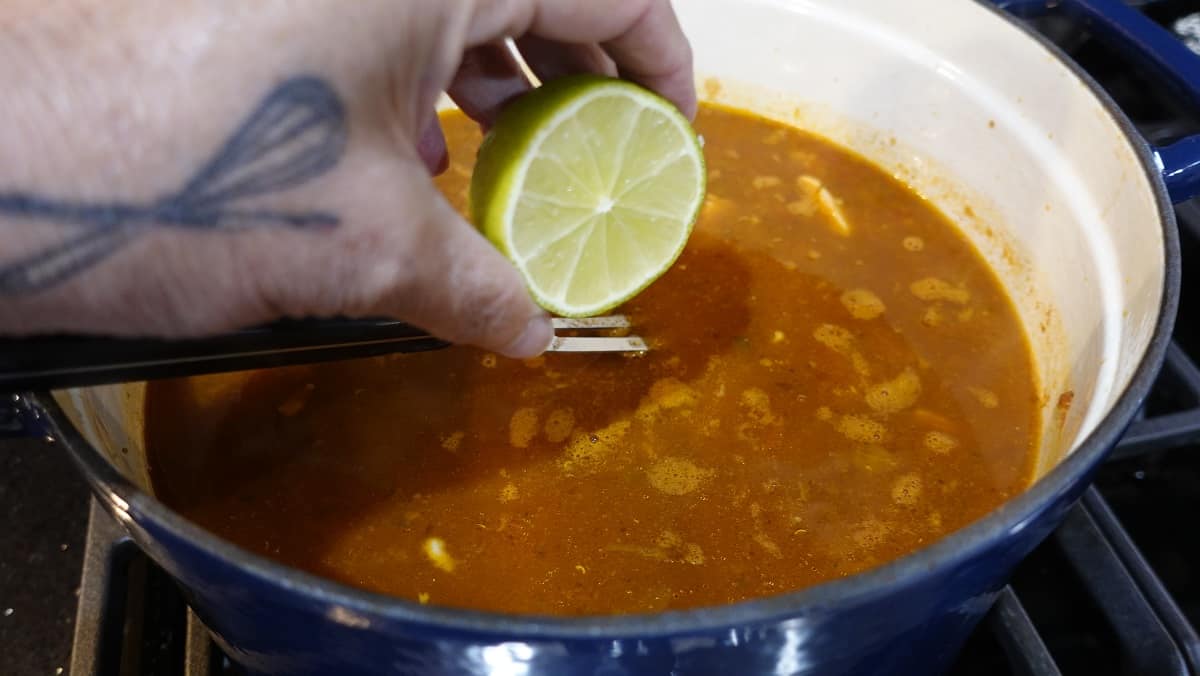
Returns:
(590, 185)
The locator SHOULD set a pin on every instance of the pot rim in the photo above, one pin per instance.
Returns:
(121, 495)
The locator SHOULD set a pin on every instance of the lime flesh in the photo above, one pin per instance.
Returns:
(590, 186)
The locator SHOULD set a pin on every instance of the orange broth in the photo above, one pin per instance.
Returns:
(815, 403)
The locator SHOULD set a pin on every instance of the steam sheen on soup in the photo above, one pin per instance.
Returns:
(836, 379)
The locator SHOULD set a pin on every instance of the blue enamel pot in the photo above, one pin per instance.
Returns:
(1070, 205)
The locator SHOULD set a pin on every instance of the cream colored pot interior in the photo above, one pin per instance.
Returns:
(974, 114)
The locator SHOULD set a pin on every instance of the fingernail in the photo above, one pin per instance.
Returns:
(534, 340)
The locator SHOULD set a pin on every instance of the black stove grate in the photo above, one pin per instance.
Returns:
(132, 620)
(1096, 598)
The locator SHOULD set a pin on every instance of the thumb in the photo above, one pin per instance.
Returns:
(461, 288)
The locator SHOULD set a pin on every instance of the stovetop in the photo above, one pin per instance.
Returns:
(1116, 590)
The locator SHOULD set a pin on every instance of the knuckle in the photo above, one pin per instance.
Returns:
(349, 273)
(375, 270)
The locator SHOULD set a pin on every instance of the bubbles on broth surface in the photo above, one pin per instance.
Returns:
(835, 379)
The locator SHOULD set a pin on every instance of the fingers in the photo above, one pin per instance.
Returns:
(549, 59)
(642, 37)
(488, 77)
(448, 279)
(431, 146)
(467, 292)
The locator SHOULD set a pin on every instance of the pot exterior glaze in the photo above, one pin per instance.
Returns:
(916, 625)
(1085, 203)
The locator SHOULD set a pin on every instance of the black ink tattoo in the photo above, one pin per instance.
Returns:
(297, 133)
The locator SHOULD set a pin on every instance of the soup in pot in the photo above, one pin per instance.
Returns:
(836, 378)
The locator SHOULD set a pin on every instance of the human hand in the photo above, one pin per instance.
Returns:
(207, 166)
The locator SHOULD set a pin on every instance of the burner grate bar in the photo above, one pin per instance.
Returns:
(1179, 382)
(99, 617)
(1159, 598)
(198, 648)
(1147, 646)
(1161, 433)
(1181, 376)
(1026, 652)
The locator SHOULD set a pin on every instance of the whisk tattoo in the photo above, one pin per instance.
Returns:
(297, 133)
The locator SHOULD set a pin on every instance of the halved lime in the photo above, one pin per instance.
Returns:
(590, 185)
